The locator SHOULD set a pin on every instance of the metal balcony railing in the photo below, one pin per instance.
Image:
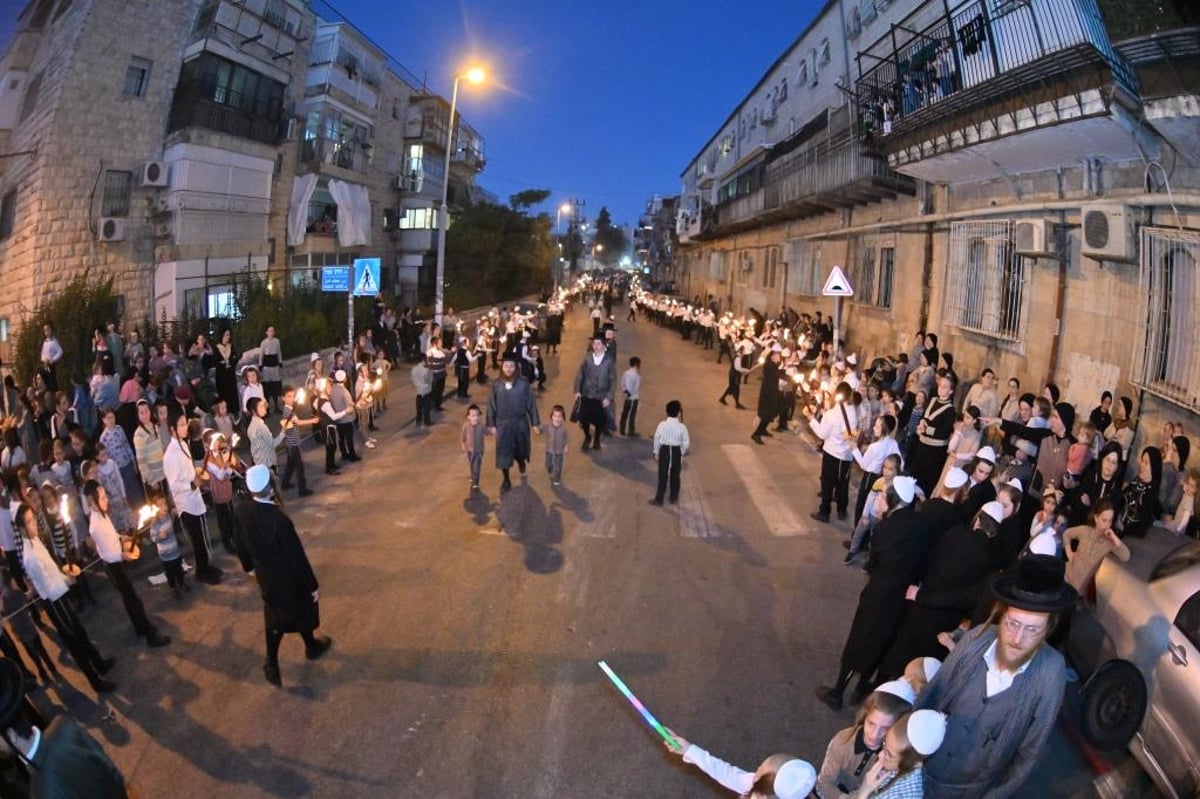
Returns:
(205, 105)
(941, 58)
(320, 151)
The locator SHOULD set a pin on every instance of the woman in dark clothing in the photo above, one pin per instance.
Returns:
(928, 455)
(225, 360)
(963, 559)
(1102, 480)
(898, 548)
(1140, 495)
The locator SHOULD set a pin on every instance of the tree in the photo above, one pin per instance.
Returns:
(493, 251)
(76, 312)
(610, 238)
(524, 200)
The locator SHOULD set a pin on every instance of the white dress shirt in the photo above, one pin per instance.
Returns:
(104, 536)
(42, 571)
(181, 477)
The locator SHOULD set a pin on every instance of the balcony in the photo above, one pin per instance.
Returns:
(319, 153)
(813, 181)
(417, 240)
(1168, 73)
(202, 105)
(989, 88)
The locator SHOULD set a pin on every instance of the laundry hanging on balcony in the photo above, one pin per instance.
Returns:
(302, 192)
(354, 213)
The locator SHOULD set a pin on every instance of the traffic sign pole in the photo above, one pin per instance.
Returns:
(837, 285)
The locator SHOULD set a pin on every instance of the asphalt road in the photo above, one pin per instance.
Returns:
(467, 628)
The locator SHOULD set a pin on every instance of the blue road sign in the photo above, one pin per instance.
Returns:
(366, 277)
(335, 278)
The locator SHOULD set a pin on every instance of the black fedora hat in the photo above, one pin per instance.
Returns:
(12, 690)
(1035, 584)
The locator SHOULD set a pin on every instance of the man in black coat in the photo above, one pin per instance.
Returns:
(768, 396)
(269, 548)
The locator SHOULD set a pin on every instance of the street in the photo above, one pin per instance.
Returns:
(467, 628)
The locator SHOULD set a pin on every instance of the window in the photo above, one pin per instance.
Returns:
(117, 187)
(854, 24)
(804, 267)
(276, 14)
(986, 279)
(770, 270)
(137, 77)
(783, 90)
(61, 9)
(716, 265)
(419, 219)
(1165, 361)
(745, 268)
(4, 330)
(8, 213)
(1188, 619)
(872, 270)
(887, 270)
(29, 101)
(825, 55)
(206, 17)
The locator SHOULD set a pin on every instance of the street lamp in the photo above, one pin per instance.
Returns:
(565, 208)
(595, 249)
(473, 75)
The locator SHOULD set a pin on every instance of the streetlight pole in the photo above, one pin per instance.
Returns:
(474, 75)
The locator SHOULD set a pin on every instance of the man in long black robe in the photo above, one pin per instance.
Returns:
(511, 412)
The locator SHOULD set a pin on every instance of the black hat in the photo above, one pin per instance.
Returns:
(609, 326)
(1035, 584)
(509, 355)
(12, 690)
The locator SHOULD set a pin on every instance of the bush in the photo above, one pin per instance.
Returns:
(75, 313)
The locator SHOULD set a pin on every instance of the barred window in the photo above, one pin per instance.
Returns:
(986, 279)
(117, 187)
(716, 265)
(872, 270)
(770, 272)
(804, 267)
(1166, 361)
(745, 267)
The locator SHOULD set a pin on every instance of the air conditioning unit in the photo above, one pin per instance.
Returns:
(1108, 232)
(111, 229)
(152, 173)
(1034, 237)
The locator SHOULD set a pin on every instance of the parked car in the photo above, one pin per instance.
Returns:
(1139, 648)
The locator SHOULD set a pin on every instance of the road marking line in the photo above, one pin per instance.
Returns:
(766, 495)
(694, 517)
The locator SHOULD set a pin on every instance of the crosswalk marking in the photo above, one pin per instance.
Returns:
(695, 520)
(763, 491)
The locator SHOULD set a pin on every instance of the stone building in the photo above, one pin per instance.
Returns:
(1001, 174)
(654, 239)
(164, 143)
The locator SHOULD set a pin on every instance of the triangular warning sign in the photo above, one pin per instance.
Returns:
(837, 285)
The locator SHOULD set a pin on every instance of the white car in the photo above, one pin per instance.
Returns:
(1139, 648)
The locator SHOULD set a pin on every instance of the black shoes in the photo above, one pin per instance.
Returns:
(506, 485)
(155, 640)
(320, 646)
(828, 697)
(841, 516)
(271, 672)
(333, 472)
(105, 665)
(104, 686)
(722, 401)
(757, 439)
(821, 517)
(656, 502)
(521, 467)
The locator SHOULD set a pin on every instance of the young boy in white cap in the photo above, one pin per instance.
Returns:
(778, 777)
(898, 774)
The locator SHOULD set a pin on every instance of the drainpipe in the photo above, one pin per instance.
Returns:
(1060, 300)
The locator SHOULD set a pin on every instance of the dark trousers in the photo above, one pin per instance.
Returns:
(864, 488)
(75, 638)
(835, 483)
(331, 437)
(629, 417)
(734, 388)
(345, 434)
(197, 531)
(424, 409)
(670, 459)
(439, 390)
(463, 373)
(763, 424)
(35, 650)
(225, 523)
(174, 570)
(275, 638)
(134, 608)
(294, 467)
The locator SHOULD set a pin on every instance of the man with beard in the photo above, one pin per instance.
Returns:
(1001, 687)
(511, 411)
(595, 384)
(269, 548)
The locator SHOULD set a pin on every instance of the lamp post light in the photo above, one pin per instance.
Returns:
(473, 75)
(595, 249)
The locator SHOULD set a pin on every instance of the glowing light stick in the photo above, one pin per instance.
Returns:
(147, 513)
(236, 438)
(300, 395)
(638, 706)
(64, 510)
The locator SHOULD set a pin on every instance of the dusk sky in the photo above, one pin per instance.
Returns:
(606, 102)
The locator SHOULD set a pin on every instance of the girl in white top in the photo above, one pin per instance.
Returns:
(253, 388)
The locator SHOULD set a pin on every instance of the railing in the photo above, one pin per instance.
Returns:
(820, 170)
(319, 151)
(916, 67)
(215, 108)
(741, 209)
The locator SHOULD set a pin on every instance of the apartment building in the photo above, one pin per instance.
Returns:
(998, 172)
(654, 239)
(178, 145)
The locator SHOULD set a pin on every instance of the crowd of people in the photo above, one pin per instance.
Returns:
(983, 512)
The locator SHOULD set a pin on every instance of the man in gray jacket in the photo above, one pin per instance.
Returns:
(595, 383)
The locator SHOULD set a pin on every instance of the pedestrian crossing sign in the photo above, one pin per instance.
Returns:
(837, 285)
(366, 277)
